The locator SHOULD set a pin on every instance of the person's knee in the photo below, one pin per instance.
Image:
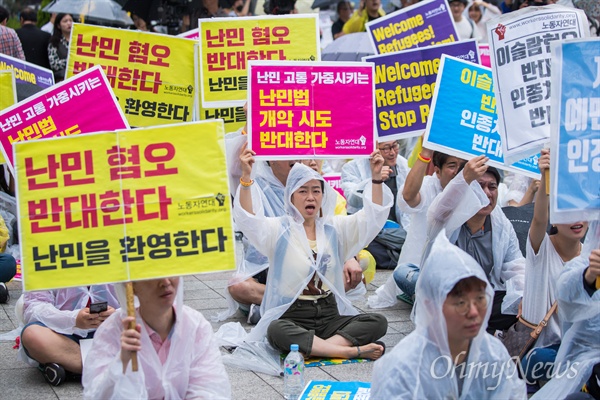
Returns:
(275, 336)
(8, 267)
(244, 291)
(33, 337)
(406, 275)
(378, 325)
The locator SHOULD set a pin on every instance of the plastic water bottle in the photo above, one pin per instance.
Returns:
(293, 374)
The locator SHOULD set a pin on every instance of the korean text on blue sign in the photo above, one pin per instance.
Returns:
(468, 127)
(404, 86)
(575, 152)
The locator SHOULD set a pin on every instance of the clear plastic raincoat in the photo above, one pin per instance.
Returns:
(250, 261)
(421, 365)
(412, 250)
(193, 368)
(292, 265)
(58, 309)
(356, 177)
(580, 347)
(456, 205)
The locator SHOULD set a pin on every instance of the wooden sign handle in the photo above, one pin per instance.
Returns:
(131, 313)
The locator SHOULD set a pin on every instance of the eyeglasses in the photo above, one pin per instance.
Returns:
(463, 306)
(387, 149)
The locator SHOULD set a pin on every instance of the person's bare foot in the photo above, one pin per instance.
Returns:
(371, 351)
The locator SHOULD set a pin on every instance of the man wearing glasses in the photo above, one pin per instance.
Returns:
(449, 354)
(356, 174)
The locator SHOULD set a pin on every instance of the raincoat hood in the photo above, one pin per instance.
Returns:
(421, 365)
(299, 175)
(443, 268)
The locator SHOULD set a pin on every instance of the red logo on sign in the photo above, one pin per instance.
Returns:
(500, 31)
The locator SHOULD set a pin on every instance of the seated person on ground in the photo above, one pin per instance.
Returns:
(418, 192)
(449, 355)
(356, 175)
(178, 356)
(545, 260)
(466, 208)
(8, 264)
(248, 285)
(579, 309)
(56, 320)
(304, 298)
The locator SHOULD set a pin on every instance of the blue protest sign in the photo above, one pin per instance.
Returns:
(575, 144)
(404, 86)
(463, 120)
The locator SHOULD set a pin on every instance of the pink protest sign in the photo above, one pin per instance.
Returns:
(484, 54)
(82, 104)
(193, 34)
(335, 181)
(311, 110)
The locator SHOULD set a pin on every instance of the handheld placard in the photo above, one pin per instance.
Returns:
(131, 313)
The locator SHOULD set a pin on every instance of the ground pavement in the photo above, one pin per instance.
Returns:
(19, 381)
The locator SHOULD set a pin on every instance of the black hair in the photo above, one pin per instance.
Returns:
(553, 230)
(341, 3)
(57, 32)
(466, 285)
(29, 14)
(4, 14)
(279, 7)
(439, 159)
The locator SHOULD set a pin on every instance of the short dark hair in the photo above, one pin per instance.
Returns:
(439, 159)
(466, 285)
(279, 7)
(4, 14)
(496, 173)
(29, 14)
(341, 3)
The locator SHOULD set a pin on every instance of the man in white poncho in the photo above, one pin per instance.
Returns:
(178, 356)
(306, 250)
(449, 355)
(579, 308)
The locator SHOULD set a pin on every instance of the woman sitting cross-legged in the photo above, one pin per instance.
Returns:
(304, 301)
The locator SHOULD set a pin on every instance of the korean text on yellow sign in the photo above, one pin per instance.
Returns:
(227, 44)
(152, 75)
(129, 205)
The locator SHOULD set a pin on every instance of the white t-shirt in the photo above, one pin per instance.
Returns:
(465, 30)
(541, 274)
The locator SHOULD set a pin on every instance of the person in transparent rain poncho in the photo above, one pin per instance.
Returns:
(55, 322)
(306, 249)
(579, 309)
(246, 287)
(449, 355)
(177, 353)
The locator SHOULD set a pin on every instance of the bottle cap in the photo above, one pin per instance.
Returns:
(294, 347)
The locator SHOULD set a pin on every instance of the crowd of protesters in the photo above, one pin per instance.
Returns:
(439, 224)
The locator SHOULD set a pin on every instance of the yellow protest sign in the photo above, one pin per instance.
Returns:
(228, 44)
(233, 117)
(129, 205)
(8, 89)
(152, 75)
